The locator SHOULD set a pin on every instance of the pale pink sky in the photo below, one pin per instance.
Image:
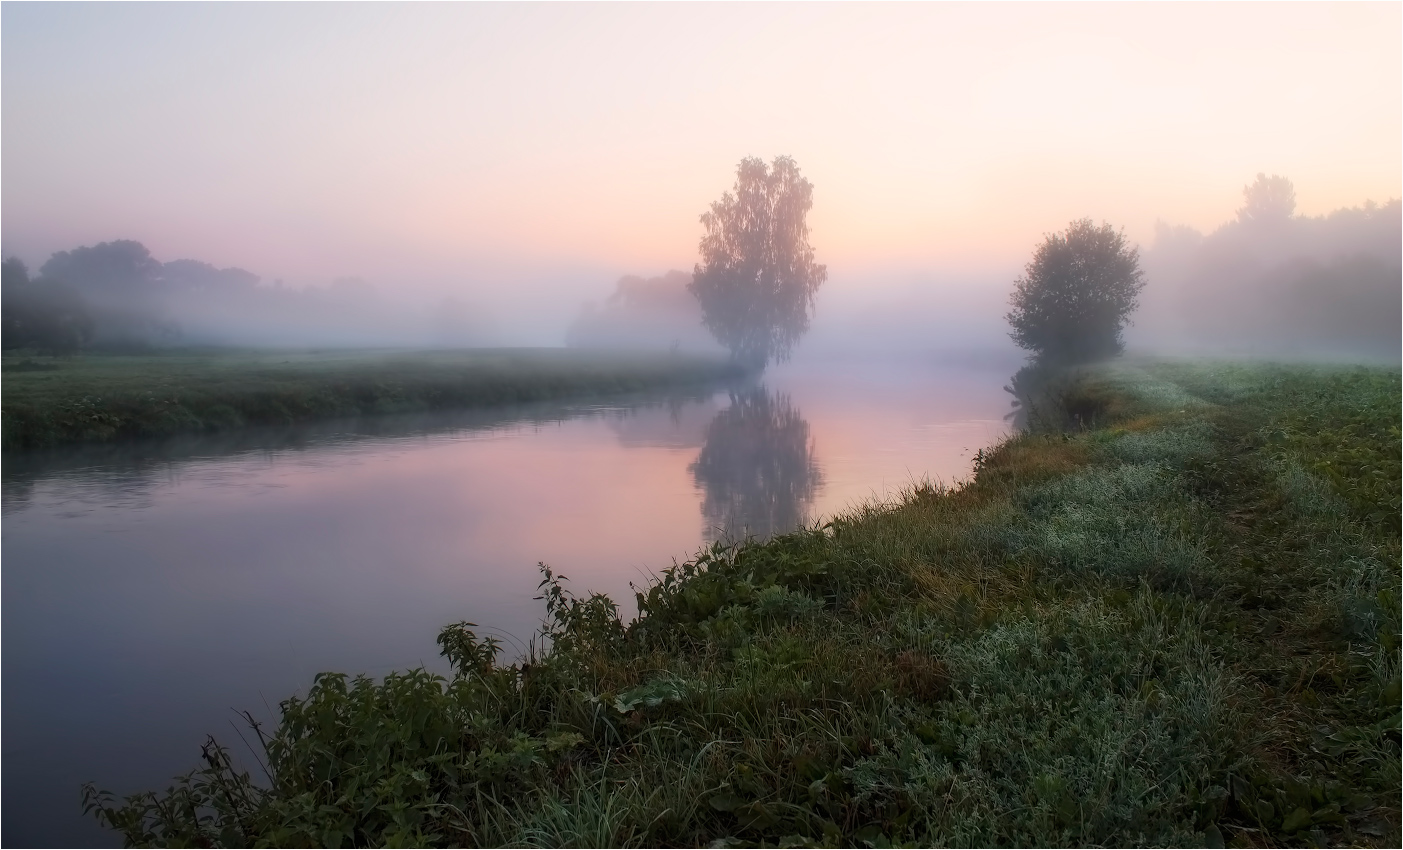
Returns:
(431, 143)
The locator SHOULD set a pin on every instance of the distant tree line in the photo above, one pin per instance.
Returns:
(1269, 282)
(753, 290)
(115, 295)
(647, 313)
(1275, 283)
(41, 313)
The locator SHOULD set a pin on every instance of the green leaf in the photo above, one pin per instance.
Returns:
(872, 836)
(1298, 819)
(1265, 812)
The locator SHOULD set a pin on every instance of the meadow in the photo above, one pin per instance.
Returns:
(1167, 614)
(108, 397)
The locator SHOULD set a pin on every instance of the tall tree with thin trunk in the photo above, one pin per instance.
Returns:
(757, 277)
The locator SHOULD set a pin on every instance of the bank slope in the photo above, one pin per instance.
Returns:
(1178, 626)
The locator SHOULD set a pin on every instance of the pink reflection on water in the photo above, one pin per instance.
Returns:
(151, 599)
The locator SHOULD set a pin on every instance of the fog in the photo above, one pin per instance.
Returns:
(1293, 286)
(1278, 285)
(497, 175)
(459, 175)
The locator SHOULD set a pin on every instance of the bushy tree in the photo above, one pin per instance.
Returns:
(1077, 294)
(43, 313)
(757, 277)
(123, 286)
(1267, 200)
(123, 268)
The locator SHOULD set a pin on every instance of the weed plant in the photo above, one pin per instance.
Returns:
(1177, 628)
(106, 397)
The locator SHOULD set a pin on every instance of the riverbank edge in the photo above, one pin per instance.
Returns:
(1175, 623)
(99, 398)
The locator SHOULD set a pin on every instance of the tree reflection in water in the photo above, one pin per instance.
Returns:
(1018, 387)
(1049, 398)
(757, 468)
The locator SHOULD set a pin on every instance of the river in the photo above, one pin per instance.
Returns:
(150, 591)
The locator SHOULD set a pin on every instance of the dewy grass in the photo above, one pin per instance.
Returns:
(1178, 628)
(106, 397)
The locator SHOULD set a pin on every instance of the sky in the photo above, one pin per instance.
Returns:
(539, 151)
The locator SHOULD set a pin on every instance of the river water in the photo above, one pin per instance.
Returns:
(151, 591)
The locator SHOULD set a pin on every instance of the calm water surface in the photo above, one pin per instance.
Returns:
(149, 592)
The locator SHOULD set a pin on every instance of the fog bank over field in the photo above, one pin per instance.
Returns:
(1267, 283)
(959, 315)
(128, 298)
(1273, 284)
(472, 174)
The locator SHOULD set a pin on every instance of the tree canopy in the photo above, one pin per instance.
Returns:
(1281, 284)
(41, 313)
(1077, 294)
(1268, 199)
(757, 276)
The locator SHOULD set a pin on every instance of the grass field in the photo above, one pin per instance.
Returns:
(101, 397)
(1177, 625)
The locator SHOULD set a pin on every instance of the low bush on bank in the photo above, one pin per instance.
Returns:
(1180, 628)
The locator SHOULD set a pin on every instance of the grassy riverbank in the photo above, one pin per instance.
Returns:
(1178, 625)
(105, 397)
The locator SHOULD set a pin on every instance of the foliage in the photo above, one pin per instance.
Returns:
(44, 314)
(757, 277)
(459, 644)
(1077, 294)
(106, 397)
(657, 313)
(123, 266)
(1267, 200)
(1274, 283)
(138, 303)
(1179, 627)
(123, 284)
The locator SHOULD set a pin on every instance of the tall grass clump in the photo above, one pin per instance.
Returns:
(1178, 626)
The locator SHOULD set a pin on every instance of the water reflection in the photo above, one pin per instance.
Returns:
(677, 424)
(756, 469)
(1019, 386)
(149, 588)
(1049, 398)
(127, 472)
